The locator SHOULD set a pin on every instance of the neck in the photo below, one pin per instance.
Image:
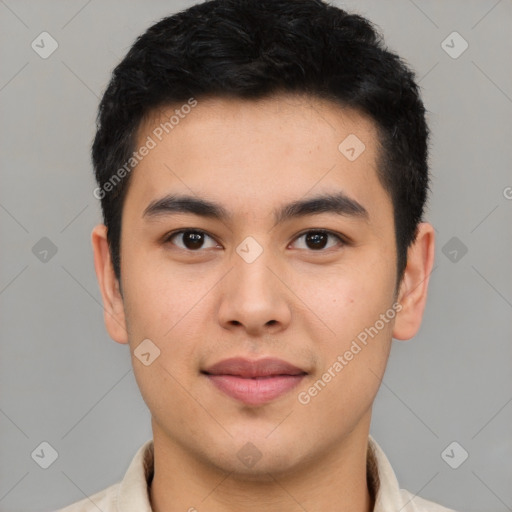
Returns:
(335, 480)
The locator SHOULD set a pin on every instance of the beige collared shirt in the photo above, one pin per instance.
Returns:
(131, 494)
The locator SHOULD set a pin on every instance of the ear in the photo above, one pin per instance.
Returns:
(413, 289)
(113, 307)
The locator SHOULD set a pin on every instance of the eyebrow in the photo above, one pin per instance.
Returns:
(338, 203)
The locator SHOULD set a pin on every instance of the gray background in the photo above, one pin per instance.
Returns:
(62, 380)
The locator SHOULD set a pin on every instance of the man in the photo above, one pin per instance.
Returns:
(262, 170)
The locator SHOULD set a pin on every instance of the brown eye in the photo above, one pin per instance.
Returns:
(191, 240)
(317, 240)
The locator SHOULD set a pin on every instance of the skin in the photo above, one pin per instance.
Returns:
(294, 302)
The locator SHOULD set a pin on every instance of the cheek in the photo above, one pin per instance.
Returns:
(162, 312)
(349, 298)
(155, 299)
(358, 309)
(164, 390)
(164, 307)
(353, 364)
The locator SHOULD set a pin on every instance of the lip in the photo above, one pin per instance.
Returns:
(254, 382)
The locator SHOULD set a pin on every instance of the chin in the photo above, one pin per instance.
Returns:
(254, 460)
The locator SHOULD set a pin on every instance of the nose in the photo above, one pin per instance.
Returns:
(254, 298)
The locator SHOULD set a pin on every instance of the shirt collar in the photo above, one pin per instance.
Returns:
(133, 493)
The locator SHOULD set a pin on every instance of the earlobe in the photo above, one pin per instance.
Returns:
(414, 286)
(113, 307)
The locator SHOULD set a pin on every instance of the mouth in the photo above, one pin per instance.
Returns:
(254, 382)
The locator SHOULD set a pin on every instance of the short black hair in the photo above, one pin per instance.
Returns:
(252, 49)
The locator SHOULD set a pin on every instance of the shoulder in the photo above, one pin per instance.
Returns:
(413, 503)
(104, 500)
(389, 495)
(131, 493)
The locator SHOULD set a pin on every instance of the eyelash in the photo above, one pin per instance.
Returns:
(341, 239)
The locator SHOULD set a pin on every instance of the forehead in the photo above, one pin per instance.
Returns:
(254, 152)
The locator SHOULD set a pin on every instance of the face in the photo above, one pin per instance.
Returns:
(312, 285)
